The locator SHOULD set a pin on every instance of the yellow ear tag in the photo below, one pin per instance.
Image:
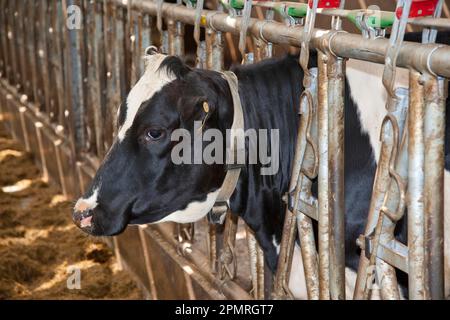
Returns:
(206, 107)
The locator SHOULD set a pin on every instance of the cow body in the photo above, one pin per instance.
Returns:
(137, 182)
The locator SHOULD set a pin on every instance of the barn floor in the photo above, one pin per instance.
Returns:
(38, 241)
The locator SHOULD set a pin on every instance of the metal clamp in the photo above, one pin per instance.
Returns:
(398, 214)
(395, 42)
(218, 212)
(370, 24)
(185, 237)
(198, 17)
(159, 6)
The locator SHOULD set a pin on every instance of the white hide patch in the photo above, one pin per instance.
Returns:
(151, 82)
(88, 203)
(275, 244)
(194, 210)
(297, 281)
(368, 93)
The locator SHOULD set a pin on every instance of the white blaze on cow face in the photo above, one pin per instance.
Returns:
(88, 203)
(194, 210)
(368, 93)
(151, 82)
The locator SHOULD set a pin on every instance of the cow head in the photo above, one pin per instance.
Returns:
(138, 182)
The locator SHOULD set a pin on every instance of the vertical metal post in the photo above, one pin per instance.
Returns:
(112, 73)
(21, 47)
(256, 264)
(434, 135)
(11, 34)
(214, 43)
(227, 260)
(335, 69)
(32, 49)
(95, 72)
(308, 103)
(43, 55)
(57, 25)
(148, 265)
(323, 211)
(176, 38)
(416, 214)
(70, 113)
(299, 187)
(4, 41)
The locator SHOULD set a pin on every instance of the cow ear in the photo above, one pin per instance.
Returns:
(175, 66)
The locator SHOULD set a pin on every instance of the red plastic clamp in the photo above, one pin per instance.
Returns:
(419, 8)
(326, 4)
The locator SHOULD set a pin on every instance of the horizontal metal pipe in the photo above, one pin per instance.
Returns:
(343, 44)
(216, 288)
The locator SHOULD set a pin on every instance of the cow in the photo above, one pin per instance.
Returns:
(138, 183)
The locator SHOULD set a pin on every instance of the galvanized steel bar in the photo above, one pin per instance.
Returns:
(345, 45)
(112, 71)
(323, 211)
(303, 169)
(394, 199)
(95, 62)
(148, 265)
(43, 55)
(21, 47)
(217, 52)
(70, 104)
(416, 214)
(392, 208)
(336, 69)
(11, 34)
(281, 289)
(212, 247)
(255, 252)
(305, 229)
(4, 40)
(32, 54)
(435, 92)
(57, 25)
(227, 257)
(51, 56)
(256, 256)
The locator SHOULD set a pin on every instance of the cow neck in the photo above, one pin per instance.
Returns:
(221, 206)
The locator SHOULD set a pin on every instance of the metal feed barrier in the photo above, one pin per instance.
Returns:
(66, 66)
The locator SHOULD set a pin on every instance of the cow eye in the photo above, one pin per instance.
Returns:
(154, 134)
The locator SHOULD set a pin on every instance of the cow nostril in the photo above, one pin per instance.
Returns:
(86, 222)
(82, 219)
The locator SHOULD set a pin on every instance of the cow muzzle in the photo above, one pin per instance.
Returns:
(83, 213)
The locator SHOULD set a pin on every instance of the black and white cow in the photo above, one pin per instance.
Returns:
(138, 183)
